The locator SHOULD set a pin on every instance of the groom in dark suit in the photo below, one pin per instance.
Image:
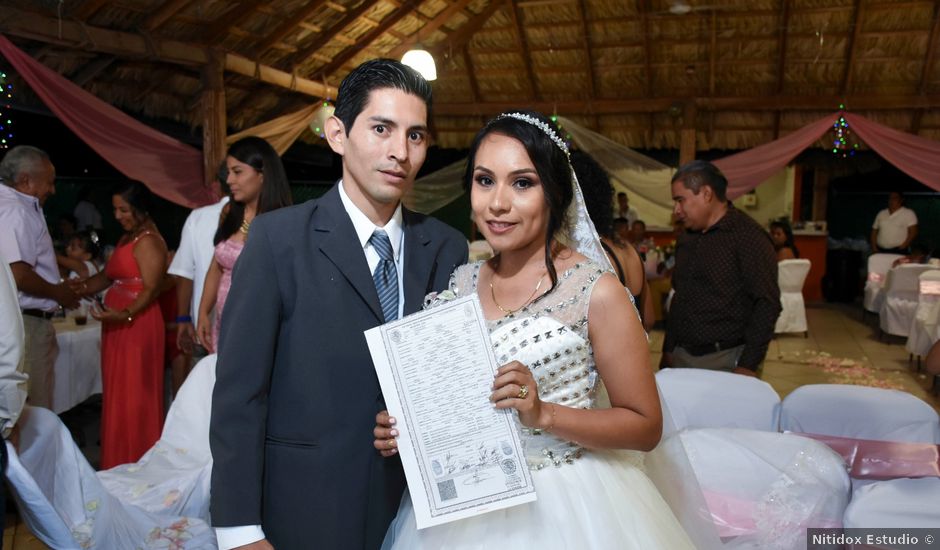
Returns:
(296, 395)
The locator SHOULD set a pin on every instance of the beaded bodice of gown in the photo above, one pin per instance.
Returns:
(550, 336)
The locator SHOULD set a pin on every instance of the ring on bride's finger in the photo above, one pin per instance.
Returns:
(523, 392)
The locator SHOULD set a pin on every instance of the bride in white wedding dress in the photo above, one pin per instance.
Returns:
(561, 323)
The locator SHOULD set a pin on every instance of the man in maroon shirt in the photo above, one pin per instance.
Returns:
(727, 299)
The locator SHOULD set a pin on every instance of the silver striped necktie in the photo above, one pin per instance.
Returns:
(385, 276)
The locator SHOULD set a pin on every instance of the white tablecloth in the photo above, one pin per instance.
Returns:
(78, 366)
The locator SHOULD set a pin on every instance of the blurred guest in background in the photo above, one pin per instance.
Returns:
(895, 227)
(782, 237)
(29, 179)
(132, 334)
(86, 214)
(258, 184)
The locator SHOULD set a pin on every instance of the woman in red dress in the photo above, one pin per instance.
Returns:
(132, 335)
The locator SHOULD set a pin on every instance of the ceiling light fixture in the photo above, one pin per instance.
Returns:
(421, 60)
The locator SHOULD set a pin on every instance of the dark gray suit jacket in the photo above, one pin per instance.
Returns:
(296, 395)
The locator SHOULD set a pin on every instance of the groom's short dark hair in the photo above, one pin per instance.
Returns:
(376, 74)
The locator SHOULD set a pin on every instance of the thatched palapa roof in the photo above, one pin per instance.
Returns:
(741, 72)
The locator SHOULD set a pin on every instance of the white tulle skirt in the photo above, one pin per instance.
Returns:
(601, 501)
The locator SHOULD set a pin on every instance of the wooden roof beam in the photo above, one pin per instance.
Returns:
(232, 18)
(586, 45)
(290, 23)
(515, 13)
(643, 7)
(431, 26)
(88, 8)
(931, 49)
(166, 11)
(327, 36)
(460, 37)
(468, 66)
(132, 45)
(89, 71)
(662, 104)
(781, 58)
(365, 41)
(850, 48)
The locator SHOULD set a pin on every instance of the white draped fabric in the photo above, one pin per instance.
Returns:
(162, 501)
(78, 365)
(764, 489)
(645, 179)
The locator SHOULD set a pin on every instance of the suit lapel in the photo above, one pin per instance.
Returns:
(419, 262)
(341, 245)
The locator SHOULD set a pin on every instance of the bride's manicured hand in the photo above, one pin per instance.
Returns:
(515, 387)
(385, 434)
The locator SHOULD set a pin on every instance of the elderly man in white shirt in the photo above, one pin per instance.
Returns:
(895, 227)
(29, 179)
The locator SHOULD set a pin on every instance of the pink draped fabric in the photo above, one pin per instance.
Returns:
(916, 156)
(168, 167)
(748, 169)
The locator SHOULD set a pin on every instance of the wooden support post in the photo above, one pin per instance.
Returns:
(687, 133)
(213, 117)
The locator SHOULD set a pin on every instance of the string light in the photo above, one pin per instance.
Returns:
(841, 133)
(6, 119)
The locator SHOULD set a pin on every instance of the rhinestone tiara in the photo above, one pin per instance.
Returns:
(541, 126)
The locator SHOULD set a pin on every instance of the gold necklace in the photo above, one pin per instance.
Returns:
(528, 300)
(244, 228)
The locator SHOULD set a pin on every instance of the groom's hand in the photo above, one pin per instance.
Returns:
(385, 434)
(262, 544)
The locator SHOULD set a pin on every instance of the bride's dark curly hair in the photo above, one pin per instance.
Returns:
(550, 162)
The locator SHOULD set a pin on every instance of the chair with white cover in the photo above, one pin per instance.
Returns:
(859, 412)
(873, 413)
(878, 266)
(901, 503)
(763, 489)
(791, 274)
(67, 505)
(925, 326)
(701, 398)
(901, 291)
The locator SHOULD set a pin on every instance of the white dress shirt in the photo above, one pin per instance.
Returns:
(196, 250)
(233, 537)
(25, 238)
(892, 227)
(12, 377)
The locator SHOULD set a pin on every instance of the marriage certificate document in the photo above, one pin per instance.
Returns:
(462, 457)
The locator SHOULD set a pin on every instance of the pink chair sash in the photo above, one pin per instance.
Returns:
(871, 459)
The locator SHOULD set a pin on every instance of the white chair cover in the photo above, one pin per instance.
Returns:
(791, 274)
(900, 503)
(924, 327)
(878, 266)
(860, 412)
(699, 398)
(764, 489)
(901, 290)
(160, 502)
